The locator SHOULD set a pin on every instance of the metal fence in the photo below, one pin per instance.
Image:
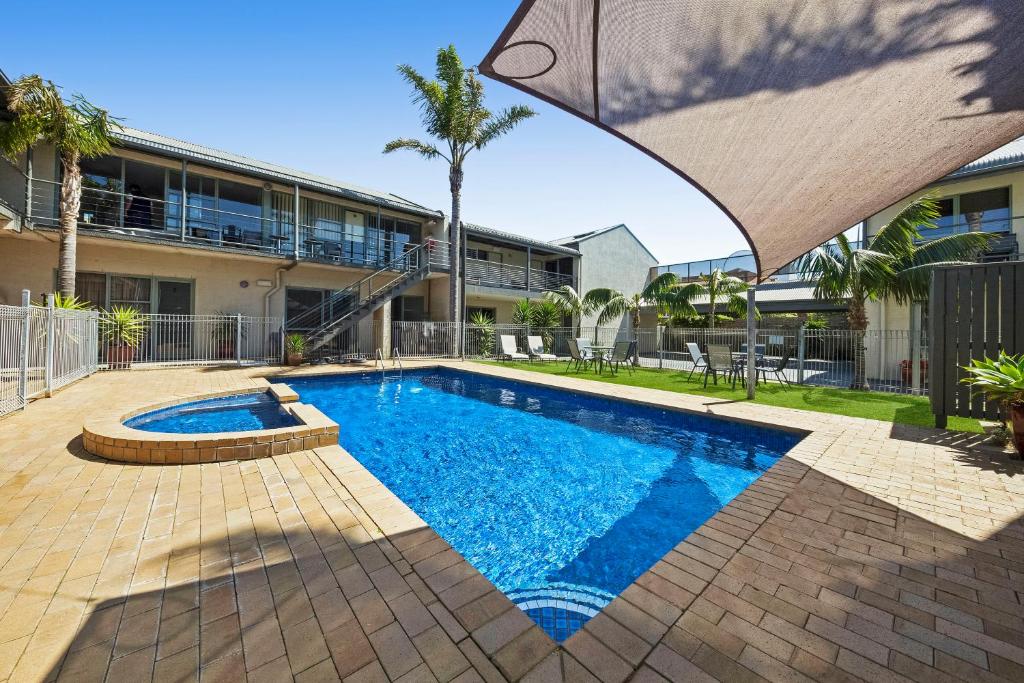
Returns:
(812, 357)
(43, 349)
(192, 340)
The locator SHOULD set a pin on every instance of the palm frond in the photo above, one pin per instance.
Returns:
(424, 149)
(502, 122)
(568, 301)
(897, 237)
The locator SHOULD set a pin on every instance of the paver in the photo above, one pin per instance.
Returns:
(869, 551)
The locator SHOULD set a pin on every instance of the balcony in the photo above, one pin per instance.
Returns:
(126, 216)
(506, 276)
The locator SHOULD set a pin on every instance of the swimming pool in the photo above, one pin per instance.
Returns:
(239, 413)
(560, 499)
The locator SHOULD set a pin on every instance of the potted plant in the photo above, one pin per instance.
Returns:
(1002, 380)
(224, 331)
(122, 327)
(295, 348)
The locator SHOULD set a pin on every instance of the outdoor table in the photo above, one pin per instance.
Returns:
(315, 246)
(279, 241)
(599, 354)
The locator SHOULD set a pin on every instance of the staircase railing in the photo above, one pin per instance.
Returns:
(344, 301)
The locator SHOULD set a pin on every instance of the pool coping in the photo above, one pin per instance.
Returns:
(640, 616)
(107, 436)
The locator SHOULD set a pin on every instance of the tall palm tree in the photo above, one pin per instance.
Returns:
(453, 113)
(570, 303)
(77, 130)
(893, 263)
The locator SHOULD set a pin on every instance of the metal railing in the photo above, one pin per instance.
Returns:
(42, 349)
(508, 276)
(124, 214)
(814, 357)
(192, 340)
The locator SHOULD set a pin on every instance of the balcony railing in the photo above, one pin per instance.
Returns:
(506, 276)
(146, 218)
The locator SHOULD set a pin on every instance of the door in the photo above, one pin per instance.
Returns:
(173, 334)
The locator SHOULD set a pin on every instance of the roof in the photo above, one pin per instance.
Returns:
(153, 142)
(473, 228)
(1007, 156)
(584, 236)
(791, 116)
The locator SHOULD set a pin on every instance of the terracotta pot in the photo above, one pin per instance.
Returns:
(1017, 420)
(120, 357)
(294, 359)
(225, 349)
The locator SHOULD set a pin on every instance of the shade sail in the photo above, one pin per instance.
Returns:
(798, 118)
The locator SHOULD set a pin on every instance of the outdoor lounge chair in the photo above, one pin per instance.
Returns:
(778, 369)
(720, 362)
(535, 347)
(579, 356)
(621, 354)
(509, 351)
(699, 362)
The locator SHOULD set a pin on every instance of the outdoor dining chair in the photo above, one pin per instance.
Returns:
(579, 356)
(699, 362)
(535, 347)
(509, 350)
(719, 361)
(778, 369)
(621, 354)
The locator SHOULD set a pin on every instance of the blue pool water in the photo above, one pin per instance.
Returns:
(239, 413)
(560, 499)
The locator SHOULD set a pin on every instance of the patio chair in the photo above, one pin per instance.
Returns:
(699, 362)
(509, 351)
(622, 353)
(719, 363)
(535, 347)
(778, 369)
(579, 356)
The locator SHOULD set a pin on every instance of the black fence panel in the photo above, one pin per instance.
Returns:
(974, 311)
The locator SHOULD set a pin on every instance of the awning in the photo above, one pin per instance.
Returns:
(798, 118)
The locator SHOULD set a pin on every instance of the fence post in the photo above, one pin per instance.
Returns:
(801, 353)
(661, 347)
(25, 331)
(238, 338)
(915, 348)
(751, 344)
(51, 330)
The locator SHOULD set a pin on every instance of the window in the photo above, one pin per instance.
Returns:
(299, 301)
(484, 255)
(134, 292)
(91, 288)
(241, 207)
(408, 309)
(983, 211)
(101, 188)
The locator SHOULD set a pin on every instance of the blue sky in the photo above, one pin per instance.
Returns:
(313, 85)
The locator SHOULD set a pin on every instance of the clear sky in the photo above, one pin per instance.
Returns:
(312, 85)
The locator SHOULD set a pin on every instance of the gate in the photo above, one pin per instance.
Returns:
(974, 311)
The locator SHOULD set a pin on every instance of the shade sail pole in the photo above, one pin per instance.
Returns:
(751, 344)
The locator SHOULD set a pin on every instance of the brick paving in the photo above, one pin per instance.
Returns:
(870, 552)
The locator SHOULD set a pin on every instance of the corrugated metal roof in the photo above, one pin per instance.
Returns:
(474, 229)
(133, 137)
(1007, 156)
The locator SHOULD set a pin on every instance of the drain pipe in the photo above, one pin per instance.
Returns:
(278, 274)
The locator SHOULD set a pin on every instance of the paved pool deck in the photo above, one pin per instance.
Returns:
(870, 552)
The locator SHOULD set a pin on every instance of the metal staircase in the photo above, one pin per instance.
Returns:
(346, 307)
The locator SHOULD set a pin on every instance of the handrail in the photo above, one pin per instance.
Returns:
(357, 300)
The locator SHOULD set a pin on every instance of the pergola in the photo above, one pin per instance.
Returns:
(798, 118)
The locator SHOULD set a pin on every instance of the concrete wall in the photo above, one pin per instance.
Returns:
(616, 260)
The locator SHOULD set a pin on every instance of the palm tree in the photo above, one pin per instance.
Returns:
(893, 263)
(719, 288)
(612, 303)
(570, 303)
(452, 111)
(77, 130)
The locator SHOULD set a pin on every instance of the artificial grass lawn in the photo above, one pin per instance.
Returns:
(899, 408)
